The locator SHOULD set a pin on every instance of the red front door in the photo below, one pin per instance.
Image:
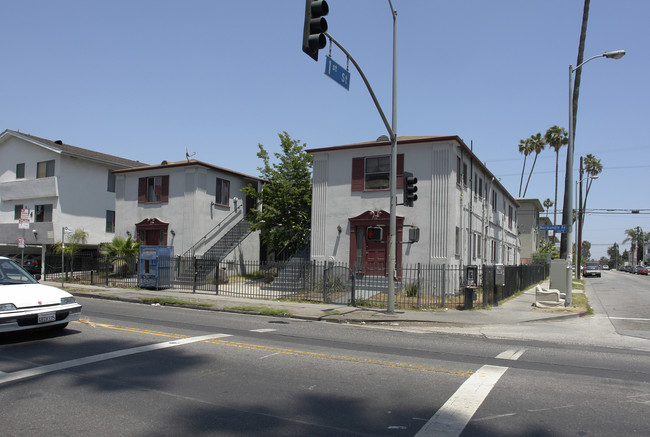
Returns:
(375, 256)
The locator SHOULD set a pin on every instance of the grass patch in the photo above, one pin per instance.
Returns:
(333, 313)
(263, 310)
(580, 302)
(172, 301)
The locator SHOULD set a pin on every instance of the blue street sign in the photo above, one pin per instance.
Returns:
(560, 229)
(339, 74)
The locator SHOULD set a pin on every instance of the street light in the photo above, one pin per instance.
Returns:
(567, 254)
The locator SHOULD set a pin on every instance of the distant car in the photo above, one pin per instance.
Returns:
(640, 270)
(591, 269)
(605, 267)
(27, 304)
(32, 264)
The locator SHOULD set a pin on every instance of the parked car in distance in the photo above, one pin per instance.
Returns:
(641, 270)
(605, 267)
(27, 304)
(591, 269)
(32, 264)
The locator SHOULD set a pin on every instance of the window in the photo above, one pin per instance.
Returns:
(111, 182)
(457, 241)
(17, 210)
(493, 251)
(43, 213)
(480, 188)
(373, 173)
(510, 216)
(110, 221)
(45, 169)
(459, 174)
(377, 174)
(20, 171)
(475, 184)
(478, 246)
(153, 189)
(494, 200)
(223, 192)
(465, 174)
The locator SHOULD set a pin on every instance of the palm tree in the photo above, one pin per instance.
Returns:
(547, 204)
(537, 143)
(556, 137)
(635, 236)
(119, 249)
(526, 149)
(73, 246)
(593, 167)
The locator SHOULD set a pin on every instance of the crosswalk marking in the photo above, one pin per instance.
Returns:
(511, 354)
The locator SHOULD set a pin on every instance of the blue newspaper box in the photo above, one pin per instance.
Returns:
(156, 267)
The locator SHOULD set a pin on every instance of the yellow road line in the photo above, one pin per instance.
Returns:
(294, 352)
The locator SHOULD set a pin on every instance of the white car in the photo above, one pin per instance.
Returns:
(27, 304)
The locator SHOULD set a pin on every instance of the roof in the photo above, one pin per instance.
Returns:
(418, 140)
(530, 201)
(66, 149)
(186, 163)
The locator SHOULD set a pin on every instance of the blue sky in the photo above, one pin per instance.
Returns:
(146, 79)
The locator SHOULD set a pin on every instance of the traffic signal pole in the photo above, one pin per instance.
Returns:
(392, 133)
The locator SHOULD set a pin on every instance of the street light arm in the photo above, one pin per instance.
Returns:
(615, 54)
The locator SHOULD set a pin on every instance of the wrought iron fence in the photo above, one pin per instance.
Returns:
(420, 286)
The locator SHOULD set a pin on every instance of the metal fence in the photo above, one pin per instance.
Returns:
(419, 286)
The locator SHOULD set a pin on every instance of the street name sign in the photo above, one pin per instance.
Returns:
(337, 73)
(560, 229)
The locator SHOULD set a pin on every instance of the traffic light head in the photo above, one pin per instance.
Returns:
(410, 189)
(313, 38)
(374, 233)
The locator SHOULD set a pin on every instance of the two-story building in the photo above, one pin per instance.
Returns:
(56, 186)
(198, 208)
(463, 213)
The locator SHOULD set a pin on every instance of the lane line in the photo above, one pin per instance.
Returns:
(27, 373)
(511, 354)
(638, 319)
(262, 330)
(451, 418)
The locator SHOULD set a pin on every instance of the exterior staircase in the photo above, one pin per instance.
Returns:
(293, 274)
(207, 263)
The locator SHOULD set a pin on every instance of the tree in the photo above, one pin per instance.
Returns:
(537, 143)
(119, 250)
(634, 236)
(585, 248)
(556, 137)
(72, 246)
(593, 168)
(285, 217)
(526, 149)
(614, 254)
(547, 204)
(547, 250)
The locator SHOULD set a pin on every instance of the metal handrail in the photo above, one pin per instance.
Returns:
(192, 250)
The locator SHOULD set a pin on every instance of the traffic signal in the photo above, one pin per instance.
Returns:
(410, 189)
(374, 233)
(315, 26)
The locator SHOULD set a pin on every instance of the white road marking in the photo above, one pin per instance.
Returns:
(639, 319)
(262, 330)
(451, 418)
(270, 355)
(511, 354)
(27, 373)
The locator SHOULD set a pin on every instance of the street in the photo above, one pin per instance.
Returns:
(139, 370)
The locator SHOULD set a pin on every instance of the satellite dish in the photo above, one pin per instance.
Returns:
(188, 155)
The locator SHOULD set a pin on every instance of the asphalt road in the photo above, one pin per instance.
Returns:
(139, 370)
(625, 299)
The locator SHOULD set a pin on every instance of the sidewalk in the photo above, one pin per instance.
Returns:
(515, 319)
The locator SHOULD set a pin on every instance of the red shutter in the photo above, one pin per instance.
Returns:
(164, 195)
(357, 174)
(400, 171)
(142, 190)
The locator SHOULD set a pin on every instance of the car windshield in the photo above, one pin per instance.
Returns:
(592, 265)
(10, 273)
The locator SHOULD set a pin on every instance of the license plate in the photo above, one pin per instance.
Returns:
(46, 317)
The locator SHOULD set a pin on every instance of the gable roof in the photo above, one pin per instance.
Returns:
(422, 139)
(68, 150)
(186, 163)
